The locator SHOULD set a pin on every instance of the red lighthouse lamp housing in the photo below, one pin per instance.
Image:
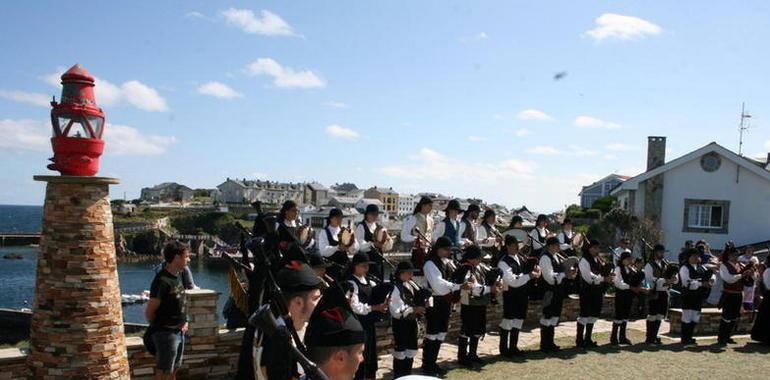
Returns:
(78, 125)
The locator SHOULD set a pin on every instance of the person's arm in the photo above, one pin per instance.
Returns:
(439, 285)
(464, 242)
(655, 283)
(363, 245)
(187, 279)
(406, 230)
(156, 291)
(533, 235)
(587, 275)
(438, 231)
(727, 277)
(358, 307)
(548, 274)
(322, 244)
(562, 242)
(484, 239)
(511, 279)
(398, 309)
(687, 282)
(618, 281)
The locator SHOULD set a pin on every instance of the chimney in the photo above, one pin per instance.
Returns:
(767, 161)
(656, 151)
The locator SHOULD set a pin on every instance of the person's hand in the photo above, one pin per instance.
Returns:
(572, 274)
(609, 278)
(535, 273)
(380, 308)
(184, 327)
(466, 286)
(419, 310)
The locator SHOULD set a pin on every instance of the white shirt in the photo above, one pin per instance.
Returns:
(323, 245)
(535, 234)
(399, 309)
(585, 272)
(616, 254)
(464, 242)
(440, 229)
(726, 276)
(477, 290)
(658, 283)
(406, 229)
(563, 242)
(359, 307)
(766, 278)
(366, 246)
(511, 279)
(438, 285)
(484, 240)
(551, 277)
(684, 275)
(618, 281)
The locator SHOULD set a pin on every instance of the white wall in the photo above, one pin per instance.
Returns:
(749, 218)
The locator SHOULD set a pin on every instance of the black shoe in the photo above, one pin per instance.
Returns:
(614, 334)
(504, 339)
(466, 363)
(515, 352)
(579, 336)
(590, 344)
(476, 359)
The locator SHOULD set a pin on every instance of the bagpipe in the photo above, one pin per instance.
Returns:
(380, 294)
(420, 250)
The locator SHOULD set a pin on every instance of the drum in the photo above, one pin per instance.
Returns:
(569, 263)
(520, 235)
(383, 239)
(346, 237)
(577, 241)
(305, 235)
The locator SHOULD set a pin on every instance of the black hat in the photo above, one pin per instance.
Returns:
(552, 240)
(659, 248)
(294, 252)
(472, 207)
(472, 252)
(360, 258)
(442, 242)
(566, 221)
(624, 255)
(489, 212)
(332, 323)
(517, 219)
(372, 209)
(454, 204)
(406, 266)
(297, 276)
(335, 212)
(592, 243)
(317, 261)
(510, 240)
(692, 251)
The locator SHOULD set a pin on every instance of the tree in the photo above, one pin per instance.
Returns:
(604, 204)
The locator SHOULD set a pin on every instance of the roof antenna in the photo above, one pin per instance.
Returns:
(743, 126)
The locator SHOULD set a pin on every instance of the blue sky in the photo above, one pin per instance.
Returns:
(446, 96)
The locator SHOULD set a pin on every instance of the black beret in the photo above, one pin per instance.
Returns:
(335, 212)
(297, 276)
(552, 240)
(472, 252)
(442, 242)
(332, 323)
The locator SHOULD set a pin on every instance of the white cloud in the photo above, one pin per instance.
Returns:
(108, 94)
(34, 98)
(578, 150)
(480, 36)
(218, 90)
(338, 131)
(532, 114)
(609, 157)
(35, 135)
(429, 164)
(267, 23)
(620, 147)
(521, 132)
(611, 25)
(284, 77)
(143, 97)
(336, 104)
(592, 122)
(547, 150)
(194, 14)
(477, 138)
(25, 135)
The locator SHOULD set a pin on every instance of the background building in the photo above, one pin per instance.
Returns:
(406, 204)
(167, 192)
(387, 196)
(316, 194)
(267, 192)
(599, 189)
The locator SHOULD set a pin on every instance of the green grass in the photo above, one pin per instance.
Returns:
(21, 344)
(706, 360)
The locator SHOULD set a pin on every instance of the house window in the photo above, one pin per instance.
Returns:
(706, 216)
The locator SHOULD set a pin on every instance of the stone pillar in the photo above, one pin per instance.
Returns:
(201, 349)
(77, 320)
(653, 188)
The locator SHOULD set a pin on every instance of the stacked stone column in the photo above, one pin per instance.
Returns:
(77, 320)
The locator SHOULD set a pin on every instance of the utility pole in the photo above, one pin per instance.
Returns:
(743, 126)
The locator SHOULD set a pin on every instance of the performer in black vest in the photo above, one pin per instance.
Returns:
(473, 305)
(287, 227)
(438, 271)
(760, 332)
(516, 274)
(331, 248)
(656, 274)
(565, 238)
(594, 281)
(487, 236)
(552, 277)
(450, 225)
(628, 282)
(696, 284)
(734, 275)
(367, 242)
(405, 311)
(539, 235)
(468, 232)
(360, 294)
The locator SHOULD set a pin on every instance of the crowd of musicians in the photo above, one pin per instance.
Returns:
(463, 263)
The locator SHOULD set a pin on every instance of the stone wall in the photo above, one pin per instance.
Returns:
(709, 322)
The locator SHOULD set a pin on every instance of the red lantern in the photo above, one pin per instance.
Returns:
(78, 125)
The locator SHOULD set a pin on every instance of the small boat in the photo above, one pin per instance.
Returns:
(130, 299)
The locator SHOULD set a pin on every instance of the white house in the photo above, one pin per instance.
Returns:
(711, 193)
(599, 189)
(406, 204)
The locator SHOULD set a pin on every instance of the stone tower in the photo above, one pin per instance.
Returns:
(653, 189)
(77, 320)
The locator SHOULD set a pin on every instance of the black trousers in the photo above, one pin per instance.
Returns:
(404, 334)
(591, 297)
(731, 306)
(474, 320)
(623, 301)
(553, 299)
(437, 317)
(658, 303)
(515, 304)
(368, 369)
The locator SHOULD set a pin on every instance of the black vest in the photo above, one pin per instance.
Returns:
(368, 235)
(332, 239)
(555, 264)
(596, 268)
(631, 276)
(445, 270)
(407, 293)
(286, 233)
(364, 290)
(468, 233)
(517, 269)
(450, 231)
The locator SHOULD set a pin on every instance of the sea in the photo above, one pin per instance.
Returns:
(17, 277)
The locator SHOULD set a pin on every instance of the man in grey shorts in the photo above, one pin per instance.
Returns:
(164, 312)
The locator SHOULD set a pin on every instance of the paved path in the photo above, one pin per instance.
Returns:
(528, 338)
